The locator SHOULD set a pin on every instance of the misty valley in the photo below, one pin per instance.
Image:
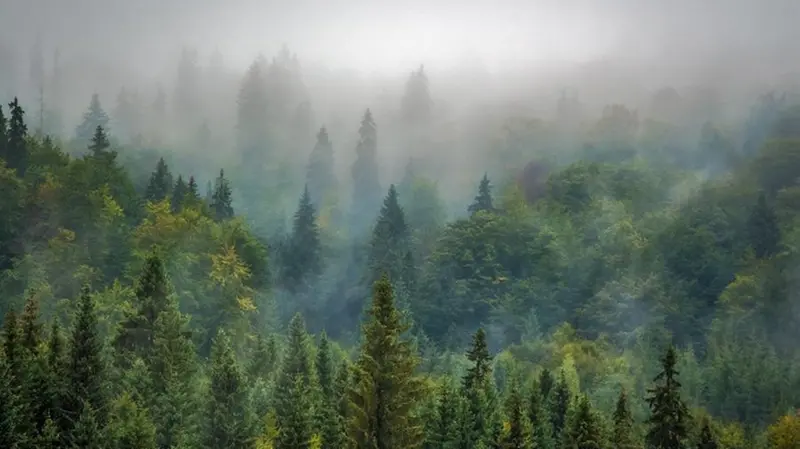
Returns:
(286, 255)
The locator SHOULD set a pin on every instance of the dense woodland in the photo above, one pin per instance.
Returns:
(609, 282)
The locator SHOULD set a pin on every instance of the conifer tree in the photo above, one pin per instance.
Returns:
(668, 412)
(366, 185)
(330, 423)
(385, 388)
(294, 390)
(416, 105)
(11, 415)
(390, 241)
(179, 193)
(539, 419)
(221, 199)
(559, 406)
(477, 391)
(49, 437)
(480, 372)
(192, 192)
(228, 422)
(99, 143)
(320, 176)
(3, 136)
(546, 383)
(584, 430)
(302, 258)
(518, 435)
(85, 370)
(707, 440)
(324, 365)
(87, 432)
(264, 358)
(31, 328)
(16, 147)
(763, 229)
(483, 201)
(160, 185)
(252, 112)
(57, 386)
(95, 116)
(445, 433)
(152, 298)
(622, 437)
(12, 346)
(130, 426)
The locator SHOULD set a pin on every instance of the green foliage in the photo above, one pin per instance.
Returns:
(483, 201)
(86, 373)
(584, 431)
(622, 436)
(294, 394)
(17, 156)
(221, 207)
(228, 422)
(366, 185)
(160, 186)
(668, 413)
(130, 426)
(302, 258)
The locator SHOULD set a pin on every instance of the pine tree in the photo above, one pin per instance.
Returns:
(385, 388)
(559, 406)
(390, 241)
(228, 421)
(99, 143)
(584, 430)
(763, 228)
(160, 185)
(221, 198)
(366, 186)
(668, 412)
(16, 147)
(57, 385)
(95, 116)
(518, 435)
(445, 433)
(479, 374)
(252, 113)
(264, 358)
(539, 419)
(152, 298)
(31, 328)
(622, 437)
(130, 426)
(85, 370)
(320, 176)
(192, 192)
(483, 201)
(328, 417)
(294, 390)
(87, 433)
(302, 258)
(179, 193)
(707, 440)
(477, 391)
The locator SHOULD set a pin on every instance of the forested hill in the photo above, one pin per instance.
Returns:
(632, 293)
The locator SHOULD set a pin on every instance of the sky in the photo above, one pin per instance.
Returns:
(388, 36)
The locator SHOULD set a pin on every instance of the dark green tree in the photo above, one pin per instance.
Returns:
(303, 253)
(95, 116)
(707, 440)
(16, 147)
(622, 436)
(3, 136)
(87, 432)
(99, 143)
(559, 406)
(546, 383)
(445, 433)
(385, 389)
(12, 346)
(329, 420)
(160, 185)
(31, 327)
(584, 431)
(390, 242)
(49, 438)
(228, 423)
(366, 184)
(86, 396)
(130, 426)
(264, 358)
(192, 192)
(539, 419)
(478, 393)
(763, 229)
(295, 389)
(479, 374)
(668, 412)
(179, 194)
(483, 201)
(11, 413)
(320, 175)
(221, 206)
(518, 435)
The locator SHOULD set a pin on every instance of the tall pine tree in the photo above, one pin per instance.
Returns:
(85, 369)
(763, 230)
(302, 258)
(390, 243)
(179, 193)
(668, 412)
(518, 432)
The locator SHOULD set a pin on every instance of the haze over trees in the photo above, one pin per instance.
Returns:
(272, 254)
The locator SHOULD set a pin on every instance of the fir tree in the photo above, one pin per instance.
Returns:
(192, 192)
(87, 433)
(324, 365)
(584, 430)
(539, 419)
(483, 201)
(479, 374)
(320, 176)
(477, 390)
(16, 147)
(390, 241)
(152, 297)
(559, 406)
(228, 422)
(31, 328)
(416, 106)
(707, 440)
(622, 437)
(95, 116)
(221, 198)
(302, 259)
(366, 186)
(668, 412)
(252, 112)
(99, 143)
(329, 420)
(130, 426)
(763, 228)
(385, 388)
(160, 185)
(85, 370)
(294, 390)
(179, 194)
(264, 358)
(518, 435)
(445, 433)
(57, 386)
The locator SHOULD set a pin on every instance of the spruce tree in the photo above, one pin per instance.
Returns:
(416, 104)
(228, 422)
(85, 369)
(385, 388)
(3, 136)
(12, 346)
(57, 385)
(559, 406)
(87, 432)
(445, 433)
(302, 258)
(130, 426)
(390, 242)
(479, 374)
(95, 116)
(16, 147)
(192, 192)
(320, 176)
(294, 390)
(366, 185)
(329, 421)
(179, 193)
(584, 430)
(221, 206)
(541, 430)
(483, 201)
(264, 358)
(31, 328)
(11, 414)
(478, 392)
(707, 440)
(49, 437)
(518, 435)
(763, 229)
(99, 143)
(668, 412)
(622, 437)
(546, 383)
(160, 185)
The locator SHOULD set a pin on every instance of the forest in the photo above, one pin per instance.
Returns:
(251, 262)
